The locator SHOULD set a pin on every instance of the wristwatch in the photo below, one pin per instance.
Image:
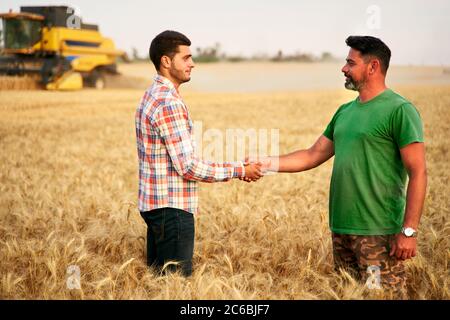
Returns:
(409, 232)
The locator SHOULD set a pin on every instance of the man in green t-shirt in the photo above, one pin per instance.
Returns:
(377, 141)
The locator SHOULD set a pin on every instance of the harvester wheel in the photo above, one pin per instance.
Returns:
(98, 80)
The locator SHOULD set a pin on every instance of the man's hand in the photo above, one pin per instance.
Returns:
(403, 247)
(252, 171)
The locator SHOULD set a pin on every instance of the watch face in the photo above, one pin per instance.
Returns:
(409, 232)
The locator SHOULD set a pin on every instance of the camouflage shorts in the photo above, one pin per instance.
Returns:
(367, 259)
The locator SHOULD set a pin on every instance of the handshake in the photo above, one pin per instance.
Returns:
(257, 168)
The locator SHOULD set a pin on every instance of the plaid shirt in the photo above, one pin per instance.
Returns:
(168, 167)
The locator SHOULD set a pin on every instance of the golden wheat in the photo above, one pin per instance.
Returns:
(19, 83)
(68, 187)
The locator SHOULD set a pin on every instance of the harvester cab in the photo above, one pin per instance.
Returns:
(55, 45)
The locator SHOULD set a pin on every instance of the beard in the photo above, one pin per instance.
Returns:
(180, 76)
(351, 84)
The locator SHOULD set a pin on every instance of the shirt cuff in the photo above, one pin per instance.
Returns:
(239, 171)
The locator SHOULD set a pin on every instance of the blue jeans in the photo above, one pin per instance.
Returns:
(170, 237)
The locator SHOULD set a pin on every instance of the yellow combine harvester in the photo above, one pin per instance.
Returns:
(54, 43)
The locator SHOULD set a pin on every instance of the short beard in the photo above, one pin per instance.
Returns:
(179, 77)
(352, 85)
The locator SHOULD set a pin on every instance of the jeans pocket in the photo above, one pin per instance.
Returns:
(157, 224)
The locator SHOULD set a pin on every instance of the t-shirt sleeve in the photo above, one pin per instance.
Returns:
(407, 125)
(329, 130)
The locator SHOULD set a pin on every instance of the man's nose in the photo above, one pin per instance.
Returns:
(344, 69)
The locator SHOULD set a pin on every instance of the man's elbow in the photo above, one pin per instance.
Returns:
(184, 169)
(419, 172)
(425, 176)
(316, 158)
(187, 170)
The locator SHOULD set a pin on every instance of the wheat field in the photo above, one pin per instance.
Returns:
(19, 83)
(68, 193)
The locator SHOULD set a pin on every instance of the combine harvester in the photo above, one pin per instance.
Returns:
(54, 45)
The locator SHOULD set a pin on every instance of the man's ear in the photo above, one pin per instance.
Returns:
(166, 62)
(374, 66)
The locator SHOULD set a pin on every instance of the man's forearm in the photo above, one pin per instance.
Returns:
(205, 171)
(297, 161)
(415, 198)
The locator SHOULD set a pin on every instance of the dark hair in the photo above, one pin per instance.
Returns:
(371, 46)
(166, 44)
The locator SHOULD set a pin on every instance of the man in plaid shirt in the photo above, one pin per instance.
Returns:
(168, 167)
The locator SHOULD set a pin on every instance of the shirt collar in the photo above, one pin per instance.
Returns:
(164, 81)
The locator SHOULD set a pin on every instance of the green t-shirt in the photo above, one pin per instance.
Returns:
(368, 184)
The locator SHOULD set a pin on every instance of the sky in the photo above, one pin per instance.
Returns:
(417, 31)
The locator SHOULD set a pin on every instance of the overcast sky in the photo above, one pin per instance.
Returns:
(417, 31)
